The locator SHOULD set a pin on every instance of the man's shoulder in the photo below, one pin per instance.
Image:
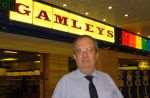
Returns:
(70, 75)
(102, 75)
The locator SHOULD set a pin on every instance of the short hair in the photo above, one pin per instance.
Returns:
(85, 36)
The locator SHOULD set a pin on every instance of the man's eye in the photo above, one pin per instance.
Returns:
(78, 50)
(84, 49)
(90, 49)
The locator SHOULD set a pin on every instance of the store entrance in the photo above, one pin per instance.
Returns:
(19, 74)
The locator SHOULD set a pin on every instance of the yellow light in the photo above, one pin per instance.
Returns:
(9, 59)
(144, 65)
(128, 68)
(104, 19)
(36, 72)
(126, 15)
(37, 62)
(23, 73)
(86, 13)
(138, 42)
(138, 33)
(38, 55)
(13, 52)
(109, 7)
(64, 5)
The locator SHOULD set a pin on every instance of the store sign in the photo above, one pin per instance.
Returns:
(134, 41)
(40, 14)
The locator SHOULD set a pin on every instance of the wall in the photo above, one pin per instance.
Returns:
(55, 58)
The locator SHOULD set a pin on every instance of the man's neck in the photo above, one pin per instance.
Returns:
(88, 72)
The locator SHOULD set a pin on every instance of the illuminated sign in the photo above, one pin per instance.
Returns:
(43, 15)
(134, 41)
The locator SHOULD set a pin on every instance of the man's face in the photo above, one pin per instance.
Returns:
(85, 55)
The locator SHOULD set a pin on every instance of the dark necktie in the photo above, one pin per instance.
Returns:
(92, 88)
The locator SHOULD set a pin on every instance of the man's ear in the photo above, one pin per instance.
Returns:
(74, 56)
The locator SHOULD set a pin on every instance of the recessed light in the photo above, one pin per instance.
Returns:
(138, 33)
(109, 7)
(126, 15)
(86, 13)
(104, 19)
(64, 5)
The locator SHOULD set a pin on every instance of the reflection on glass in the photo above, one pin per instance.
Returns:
(19, 74)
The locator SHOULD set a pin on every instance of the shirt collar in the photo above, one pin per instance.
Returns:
(79, 74)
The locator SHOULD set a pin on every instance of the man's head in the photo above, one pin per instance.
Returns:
(85, 53)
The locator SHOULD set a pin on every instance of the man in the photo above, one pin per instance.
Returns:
(86, 81)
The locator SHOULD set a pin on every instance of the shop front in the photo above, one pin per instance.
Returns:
(41, 35)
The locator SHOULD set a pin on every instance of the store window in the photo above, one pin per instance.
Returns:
(19, 74)
(135, 78)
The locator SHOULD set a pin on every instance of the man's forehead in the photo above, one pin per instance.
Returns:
(84, 40)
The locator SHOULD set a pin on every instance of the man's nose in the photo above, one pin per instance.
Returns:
(84, 53)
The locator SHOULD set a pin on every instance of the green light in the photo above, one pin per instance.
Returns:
(145, 44)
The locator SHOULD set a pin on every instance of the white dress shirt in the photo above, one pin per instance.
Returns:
(75, 85)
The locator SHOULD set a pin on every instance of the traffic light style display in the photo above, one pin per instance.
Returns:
(135, 41)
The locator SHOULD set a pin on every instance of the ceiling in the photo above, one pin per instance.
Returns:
(138, 19)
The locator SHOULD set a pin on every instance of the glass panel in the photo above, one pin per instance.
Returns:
(19, 74)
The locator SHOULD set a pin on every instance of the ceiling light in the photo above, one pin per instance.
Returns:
(126, 15)
(104, 19)
(64, 5)
(9, 59)
(109, 7)
(138, 33)
(13, 52)
(86, 13)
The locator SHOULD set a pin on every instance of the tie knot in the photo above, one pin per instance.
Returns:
(89, 77)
